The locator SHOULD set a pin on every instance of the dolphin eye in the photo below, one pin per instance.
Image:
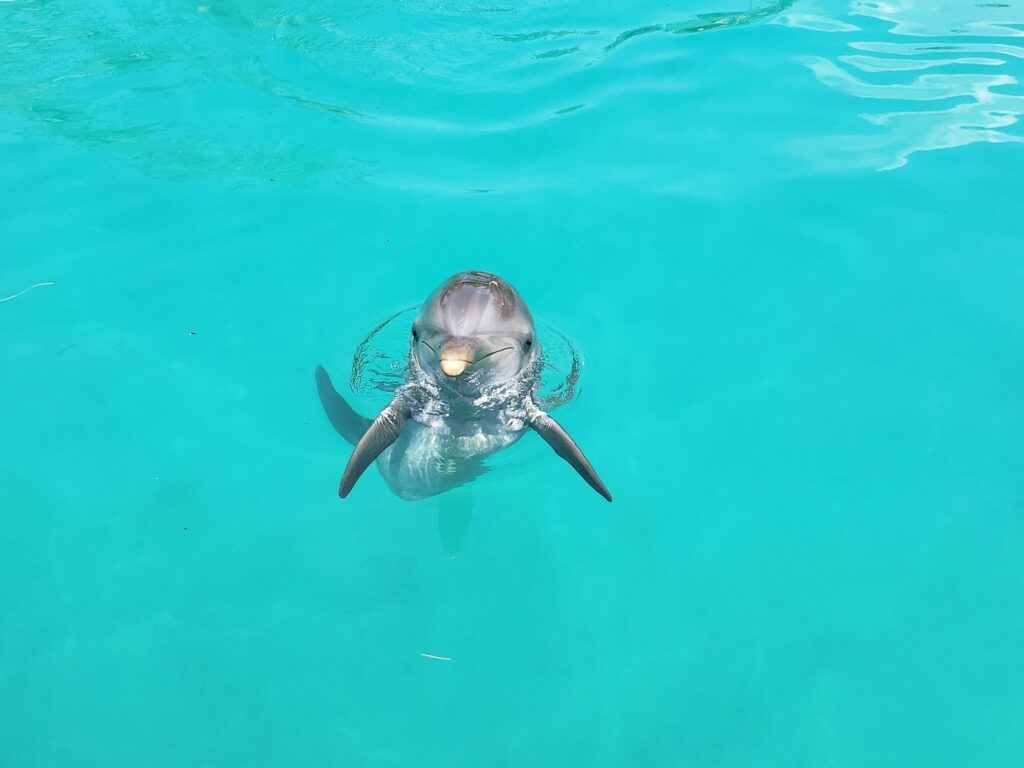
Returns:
(528, 343)
(415, 335)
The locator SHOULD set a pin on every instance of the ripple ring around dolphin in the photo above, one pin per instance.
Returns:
(380, 360)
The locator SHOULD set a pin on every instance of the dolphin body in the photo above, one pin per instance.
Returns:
(474, 363)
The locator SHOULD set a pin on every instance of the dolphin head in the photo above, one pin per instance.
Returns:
(474, 331)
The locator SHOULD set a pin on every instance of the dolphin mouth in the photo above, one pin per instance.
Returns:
(456, 361)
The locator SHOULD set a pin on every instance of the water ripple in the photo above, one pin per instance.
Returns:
(138, 78)
(705, 22)
(381, 359)
(253, 91)
(987, 103)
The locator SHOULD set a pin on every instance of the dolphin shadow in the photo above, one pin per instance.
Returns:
(454, 515)
(349, 424)
(454, 508)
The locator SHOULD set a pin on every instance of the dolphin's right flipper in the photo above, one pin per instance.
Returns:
(382, 432)
(566, 447)
(346, 421)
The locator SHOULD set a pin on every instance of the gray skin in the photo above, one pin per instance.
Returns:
(474, 362)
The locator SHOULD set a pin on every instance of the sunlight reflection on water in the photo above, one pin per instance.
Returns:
(987, 99)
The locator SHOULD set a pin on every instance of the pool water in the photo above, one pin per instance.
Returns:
(785, 239)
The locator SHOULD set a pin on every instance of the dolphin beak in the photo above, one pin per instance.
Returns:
(455, 358)
(454, 368)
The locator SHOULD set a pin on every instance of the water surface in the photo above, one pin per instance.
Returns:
(785, 238)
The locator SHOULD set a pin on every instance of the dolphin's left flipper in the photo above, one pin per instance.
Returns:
(566, 447)
(382, 432)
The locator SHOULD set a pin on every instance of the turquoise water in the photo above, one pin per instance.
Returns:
(786, 240)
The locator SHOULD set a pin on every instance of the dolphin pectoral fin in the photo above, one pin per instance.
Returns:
(566, 447)
(382, 432)
(349, 424)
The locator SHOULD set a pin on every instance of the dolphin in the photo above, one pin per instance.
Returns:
(468, 392)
